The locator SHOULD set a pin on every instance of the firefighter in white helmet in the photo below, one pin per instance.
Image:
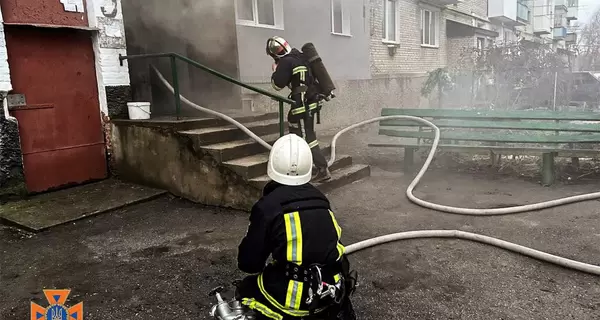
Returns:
(291, 70)
(293, 222)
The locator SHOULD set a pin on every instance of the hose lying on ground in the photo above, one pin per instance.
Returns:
(458, 210)
(564, 262)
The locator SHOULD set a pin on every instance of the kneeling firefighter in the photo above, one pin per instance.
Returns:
(304, 73)
(309, 276)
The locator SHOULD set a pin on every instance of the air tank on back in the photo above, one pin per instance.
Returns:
(318, 69)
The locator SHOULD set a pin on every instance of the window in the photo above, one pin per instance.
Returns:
(480, 45)
(429, 27)
(389, 21)
(340, 17)
(264, 13)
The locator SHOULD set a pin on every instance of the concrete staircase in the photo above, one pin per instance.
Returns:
(208, 161)
(233, 149)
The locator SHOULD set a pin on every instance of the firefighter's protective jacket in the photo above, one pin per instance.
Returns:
(293, 224)
(293, 72)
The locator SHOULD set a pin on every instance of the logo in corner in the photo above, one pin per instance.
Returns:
(56, 309)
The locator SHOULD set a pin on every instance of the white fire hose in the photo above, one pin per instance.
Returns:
(456, 234)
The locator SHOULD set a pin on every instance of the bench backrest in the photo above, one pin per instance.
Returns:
(496, 126)
(493, 114)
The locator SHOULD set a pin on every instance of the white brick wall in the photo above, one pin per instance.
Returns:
(410, 56)
(457, 47)
(478, 8)
(5, 83)
(109, 42)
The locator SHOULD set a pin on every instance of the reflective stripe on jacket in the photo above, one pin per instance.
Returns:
(293, 224)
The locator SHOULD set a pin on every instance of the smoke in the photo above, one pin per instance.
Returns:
(205, 26)
(202, 30)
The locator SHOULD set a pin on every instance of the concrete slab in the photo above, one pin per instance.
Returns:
(47, 210)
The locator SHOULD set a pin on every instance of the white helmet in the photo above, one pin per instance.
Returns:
(290, 161)
(277, 47)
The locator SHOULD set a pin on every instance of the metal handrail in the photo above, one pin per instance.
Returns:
(174, 56)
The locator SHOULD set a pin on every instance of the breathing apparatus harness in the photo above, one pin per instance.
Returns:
(321, 79)
(321, 294)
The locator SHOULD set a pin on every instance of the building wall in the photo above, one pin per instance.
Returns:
(47, 12)
(346, 56)
(103, 21)
(109, 41)
(204, 31)
(12, 180)
(411, 56)
(458, 47)
(5, 83)
(477, 8)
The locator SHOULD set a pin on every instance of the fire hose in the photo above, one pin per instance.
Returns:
(419, 234)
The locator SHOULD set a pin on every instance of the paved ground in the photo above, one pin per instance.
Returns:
(157, 260)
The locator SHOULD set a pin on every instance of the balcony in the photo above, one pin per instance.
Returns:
(505, 12)
(560, 5)
(523, 13)
(559, 33)
(542, 24)
(572, 9)
(443, 2)
(571, 38)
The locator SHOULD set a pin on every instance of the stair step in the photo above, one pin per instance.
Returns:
(197, 122)
(250, 166)
(341, 162)
(256, 164)
(213, 135)
(344, 177)
(226, 151)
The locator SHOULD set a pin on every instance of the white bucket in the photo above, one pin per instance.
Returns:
(138, 110)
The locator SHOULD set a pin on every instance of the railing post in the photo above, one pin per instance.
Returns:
(281, 131)
(175, 86)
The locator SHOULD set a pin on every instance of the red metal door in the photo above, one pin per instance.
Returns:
(60, 128)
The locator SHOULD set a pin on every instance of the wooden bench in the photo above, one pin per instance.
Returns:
(546, 133)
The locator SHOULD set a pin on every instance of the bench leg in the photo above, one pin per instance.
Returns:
(495, 158)
(548, 172)
(575, 162)
(409, 159)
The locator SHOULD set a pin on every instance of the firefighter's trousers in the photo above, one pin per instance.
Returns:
(303, 125)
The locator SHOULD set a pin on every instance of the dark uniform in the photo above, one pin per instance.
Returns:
(292, 71)
(297, 227)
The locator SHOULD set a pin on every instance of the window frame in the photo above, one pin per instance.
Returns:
(346, 29)
(277, 16)
(436, 14)
(385, 38)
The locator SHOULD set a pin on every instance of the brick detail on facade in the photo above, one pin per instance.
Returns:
(12, 180)
(117, 98)
(109, 42)
(457, 47)
(410, 56)
(478, 8)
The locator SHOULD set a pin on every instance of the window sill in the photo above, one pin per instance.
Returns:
(341, 34)
(256, 25)
(429, 46)
(391, 43)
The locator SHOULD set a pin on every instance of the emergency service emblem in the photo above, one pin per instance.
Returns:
(56, 309)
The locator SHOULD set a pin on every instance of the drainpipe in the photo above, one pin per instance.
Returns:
(3, 96)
